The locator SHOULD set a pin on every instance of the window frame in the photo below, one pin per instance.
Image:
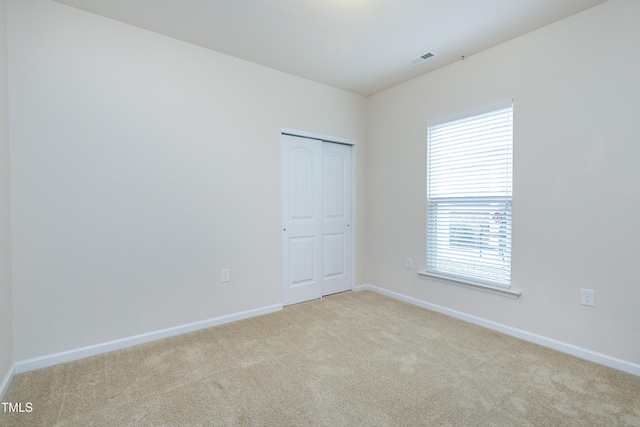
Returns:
(505, 213)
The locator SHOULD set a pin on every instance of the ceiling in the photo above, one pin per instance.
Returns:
(362, 46)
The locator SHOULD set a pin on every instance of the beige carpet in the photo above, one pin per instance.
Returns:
(352, 359)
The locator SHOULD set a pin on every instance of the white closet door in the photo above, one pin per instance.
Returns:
(301, 163)
(336, 218)
(316, 214)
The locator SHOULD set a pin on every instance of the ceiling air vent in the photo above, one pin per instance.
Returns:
(419, 59)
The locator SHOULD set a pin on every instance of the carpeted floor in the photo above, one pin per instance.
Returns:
(351, 359)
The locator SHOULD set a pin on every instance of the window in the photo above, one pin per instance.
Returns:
(469, 192)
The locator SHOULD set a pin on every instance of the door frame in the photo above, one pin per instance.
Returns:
(336, 140)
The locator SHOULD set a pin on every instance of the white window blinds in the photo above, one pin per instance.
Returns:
(469, 192)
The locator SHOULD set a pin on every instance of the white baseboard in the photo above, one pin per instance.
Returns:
(6, 381)
(583, 353)
(92, 350)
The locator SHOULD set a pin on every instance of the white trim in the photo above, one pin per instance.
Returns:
(4, 386)
(92, 350)
(583, 353)
(313, 135)
(354, 223)
(503, 292)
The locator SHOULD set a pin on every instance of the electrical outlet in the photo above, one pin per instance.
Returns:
(224, 275)
(409, 263)
(587, 297)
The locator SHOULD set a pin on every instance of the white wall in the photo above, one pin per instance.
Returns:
(141, 166)
(576, 199)
(6, 340)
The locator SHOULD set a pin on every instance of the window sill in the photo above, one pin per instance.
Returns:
(509, 293)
